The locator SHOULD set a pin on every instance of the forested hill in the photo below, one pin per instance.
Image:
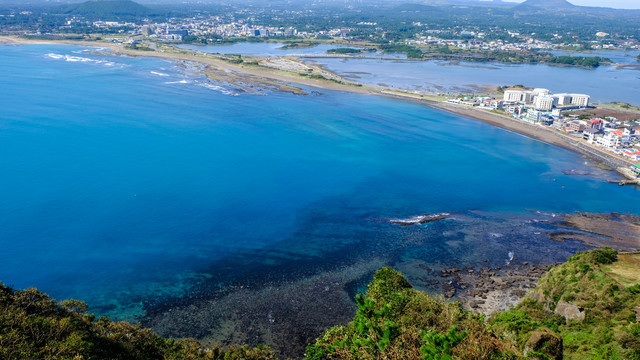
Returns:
(106, 9)
(546, 4)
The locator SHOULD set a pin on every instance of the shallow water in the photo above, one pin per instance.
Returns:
(604, 84)
(275, 49)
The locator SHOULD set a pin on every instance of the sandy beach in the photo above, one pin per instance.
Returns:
(216, 63)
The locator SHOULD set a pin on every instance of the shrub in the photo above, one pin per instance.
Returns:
(604, 256)
(439, 346)
(635, 289)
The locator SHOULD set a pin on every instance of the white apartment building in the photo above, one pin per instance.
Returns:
(512, 95)
(542, 99)
(580, 100)
(518, 96)
(563, 99)
(540, 92)
(543, 103)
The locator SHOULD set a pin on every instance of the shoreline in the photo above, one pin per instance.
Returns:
(216, 63)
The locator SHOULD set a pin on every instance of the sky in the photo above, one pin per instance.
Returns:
(619, 4)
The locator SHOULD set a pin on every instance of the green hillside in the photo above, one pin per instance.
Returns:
(395, 321)
(32, 326)
(106, 9)
(592, 302)
(587, 308)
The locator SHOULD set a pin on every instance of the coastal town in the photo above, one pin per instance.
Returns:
(133, 22)
(566, 114)
(213, 29)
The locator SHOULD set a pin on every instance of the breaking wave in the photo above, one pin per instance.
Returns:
(218, 88)
(72, 58)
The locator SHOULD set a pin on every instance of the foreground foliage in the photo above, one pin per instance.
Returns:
(395, 321)
(584, 303)
(32, 326)
(587, 308)
(596, 318)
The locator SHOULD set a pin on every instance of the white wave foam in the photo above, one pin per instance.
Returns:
(89, 51)
(510, 258)
(177, 82)
(159, 73)
(217, 88)
(55, 56)
(71, 58)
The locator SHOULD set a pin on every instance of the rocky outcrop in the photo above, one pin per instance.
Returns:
(421, 219)
(618, 231)
(569, 311)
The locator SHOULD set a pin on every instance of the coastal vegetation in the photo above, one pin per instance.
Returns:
(33, 326)
(395, 321)
(586, 308)
(299, 44)
(344, 51)
(412, 52)
(586, 61)
(583, 309)
(590, 302)
(474, 55)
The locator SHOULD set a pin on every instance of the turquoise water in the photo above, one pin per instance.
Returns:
(125, 179)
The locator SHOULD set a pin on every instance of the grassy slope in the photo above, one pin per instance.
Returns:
(394, 321)
(606, 289)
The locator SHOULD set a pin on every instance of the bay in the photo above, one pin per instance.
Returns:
(126, 181)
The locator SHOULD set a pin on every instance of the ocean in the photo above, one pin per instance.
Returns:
(132, 183)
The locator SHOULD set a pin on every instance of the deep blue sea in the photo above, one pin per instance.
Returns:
(123, 179)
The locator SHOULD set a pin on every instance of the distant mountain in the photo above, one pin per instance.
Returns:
(414, 8)
(485, 3)
(545, 4)
(105, 9)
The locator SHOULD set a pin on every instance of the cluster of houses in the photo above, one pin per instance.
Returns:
(540, 107)
(177, 30)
